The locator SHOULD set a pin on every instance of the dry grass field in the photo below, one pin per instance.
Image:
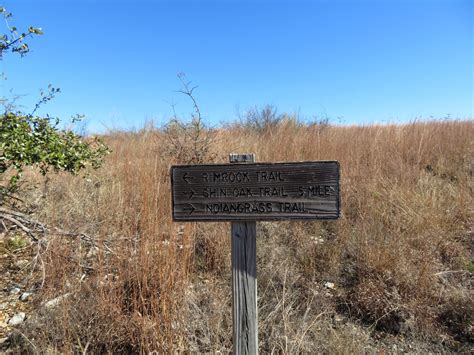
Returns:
(394, 274)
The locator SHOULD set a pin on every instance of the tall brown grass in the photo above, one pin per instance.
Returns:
(398, 257)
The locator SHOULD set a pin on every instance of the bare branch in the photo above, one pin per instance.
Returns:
(25, 229)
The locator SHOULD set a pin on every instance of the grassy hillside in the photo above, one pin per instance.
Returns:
(394, 273)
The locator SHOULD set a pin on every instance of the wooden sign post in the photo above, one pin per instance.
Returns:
(244, 279)
(244, 192)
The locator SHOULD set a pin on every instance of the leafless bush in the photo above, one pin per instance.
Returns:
(189, 142)
(261, 120)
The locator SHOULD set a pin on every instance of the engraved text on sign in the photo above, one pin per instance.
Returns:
(279, 191)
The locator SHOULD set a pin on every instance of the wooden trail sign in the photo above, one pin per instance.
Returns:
(256, 191)
(244, 192)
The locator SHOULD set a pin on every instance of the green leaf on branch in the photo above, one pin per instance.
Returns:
(36, 141)
(35, 30)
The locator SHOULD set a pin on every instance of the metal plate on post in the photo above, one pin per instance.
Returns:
(259, 191)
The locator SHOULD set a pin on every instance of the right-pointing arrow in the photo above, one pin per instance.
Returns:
(189, 193)
(189, 207)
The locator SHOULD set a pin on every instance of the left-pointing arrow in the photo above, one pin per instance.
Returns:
(186, 177)
(189, 208)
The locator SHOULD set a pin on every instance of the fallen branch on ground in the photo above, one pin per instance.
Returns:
(35, 228)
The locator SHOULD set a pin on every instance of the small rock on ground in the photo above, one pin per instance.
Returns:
(55, 301)
(17, 319)
(24, 296)
(14, 290)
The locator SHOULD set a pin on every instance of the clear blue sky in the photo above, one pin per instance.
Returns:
(360, 61)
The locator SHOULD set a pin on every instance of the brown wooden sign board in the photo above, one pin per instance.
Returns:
(255, 192)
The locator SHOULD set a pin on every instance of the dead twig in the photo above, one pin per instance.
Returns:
(16, 222)
(447, 272)
(34, 228)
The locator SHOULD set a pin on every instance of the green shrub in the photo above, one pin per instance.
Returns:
(29, 140)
